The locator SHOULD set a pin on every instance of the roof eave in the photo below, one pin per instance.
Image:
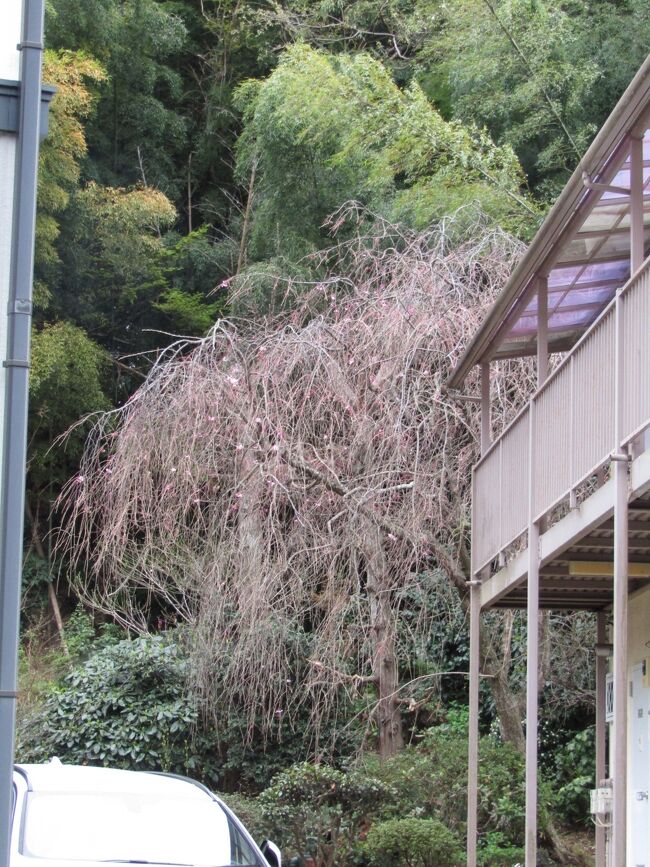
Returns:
(605, 148)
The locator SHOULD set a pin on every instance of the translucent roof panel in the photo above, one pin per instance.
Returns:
(588, 269)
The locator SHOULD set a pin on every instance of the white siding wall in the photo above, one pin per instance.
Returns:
(639, 626)
(10, 33)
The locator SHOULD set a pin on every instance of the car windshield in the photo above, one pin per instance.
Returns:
(132, 827)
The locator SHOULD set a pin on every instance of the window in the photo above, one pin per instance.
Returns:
(133, 827)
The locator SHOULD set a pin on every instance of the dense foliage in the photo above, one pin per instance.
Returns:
(126, 706)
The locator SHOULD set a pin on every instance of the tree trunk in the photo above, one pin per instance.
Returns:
(250, 520)
(54, 602)
(241, 260)
(497, 665)
(384, 663)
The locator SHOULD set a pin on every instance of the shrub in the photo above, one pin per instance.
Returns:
(430, 781)
(413, 843)
(497, 851)
(320, 813)
(574, 776)
(127, 706)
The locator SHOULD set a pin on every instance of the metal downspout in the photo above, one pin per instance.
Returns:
(16, 367)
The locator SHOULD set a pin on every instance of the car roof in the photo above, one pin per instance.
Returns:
(58, 777)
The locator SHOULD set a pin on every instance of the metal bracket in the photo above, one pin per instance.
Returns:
(10, 103)
(7, 693)
(20, 305)
(605, 188)
(623, 457)
(12, 362)
(29, 44)
(457, 395)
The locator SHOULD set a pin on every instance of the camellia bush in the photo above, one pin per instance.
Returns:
(127, 706)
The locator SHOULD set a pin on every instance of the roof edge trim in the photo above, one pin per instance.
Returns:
(622, 122)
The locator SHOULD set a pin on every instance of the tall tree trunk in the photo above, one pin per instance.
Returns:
(496, 664)
(382, 625)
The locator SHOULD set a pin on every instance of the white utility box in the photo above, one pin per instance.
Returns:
(601, 801)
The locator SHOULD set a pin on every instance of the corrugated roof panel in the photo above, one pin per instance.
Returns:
(589, 267)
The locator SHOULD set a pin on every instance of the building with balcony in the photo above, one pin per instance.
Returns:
(561, 498)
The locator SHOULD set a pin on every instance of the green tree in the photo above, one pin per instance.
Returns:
(114, 260)
(74, 76)
(138, 131)
(323, 129)
(196, 268)
(67, 377)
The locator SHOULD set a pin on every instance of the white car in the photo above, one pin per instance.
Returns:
(78, 816)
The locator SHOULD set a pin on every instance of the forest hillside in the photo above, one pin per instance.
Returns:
(265, 232)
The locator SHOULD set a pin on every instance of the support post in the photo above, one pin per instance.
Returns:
(542, 330)
(532, 690)
(472, 757)
(601, 729)
(619, 734)
(618, 758)
(475, 654)
(532, 655)
(486, 426)
(637, 231)
(636, 203)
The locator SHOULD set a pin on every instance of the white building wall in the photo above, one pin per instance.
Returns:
(638, 764)
(11, 12)
(639, 626)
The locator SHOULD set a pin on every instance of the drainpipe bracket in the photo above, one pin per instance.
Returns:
(10, 92)
(20, 305)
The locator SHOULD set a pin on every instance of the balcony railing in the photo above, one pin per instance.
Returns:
(594, 404)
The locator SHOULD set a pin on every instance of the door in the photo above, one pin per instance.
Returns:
(638, 779)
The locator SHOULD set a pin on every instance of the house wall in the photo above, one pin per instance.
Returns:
(639, 626)
(10, 35)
